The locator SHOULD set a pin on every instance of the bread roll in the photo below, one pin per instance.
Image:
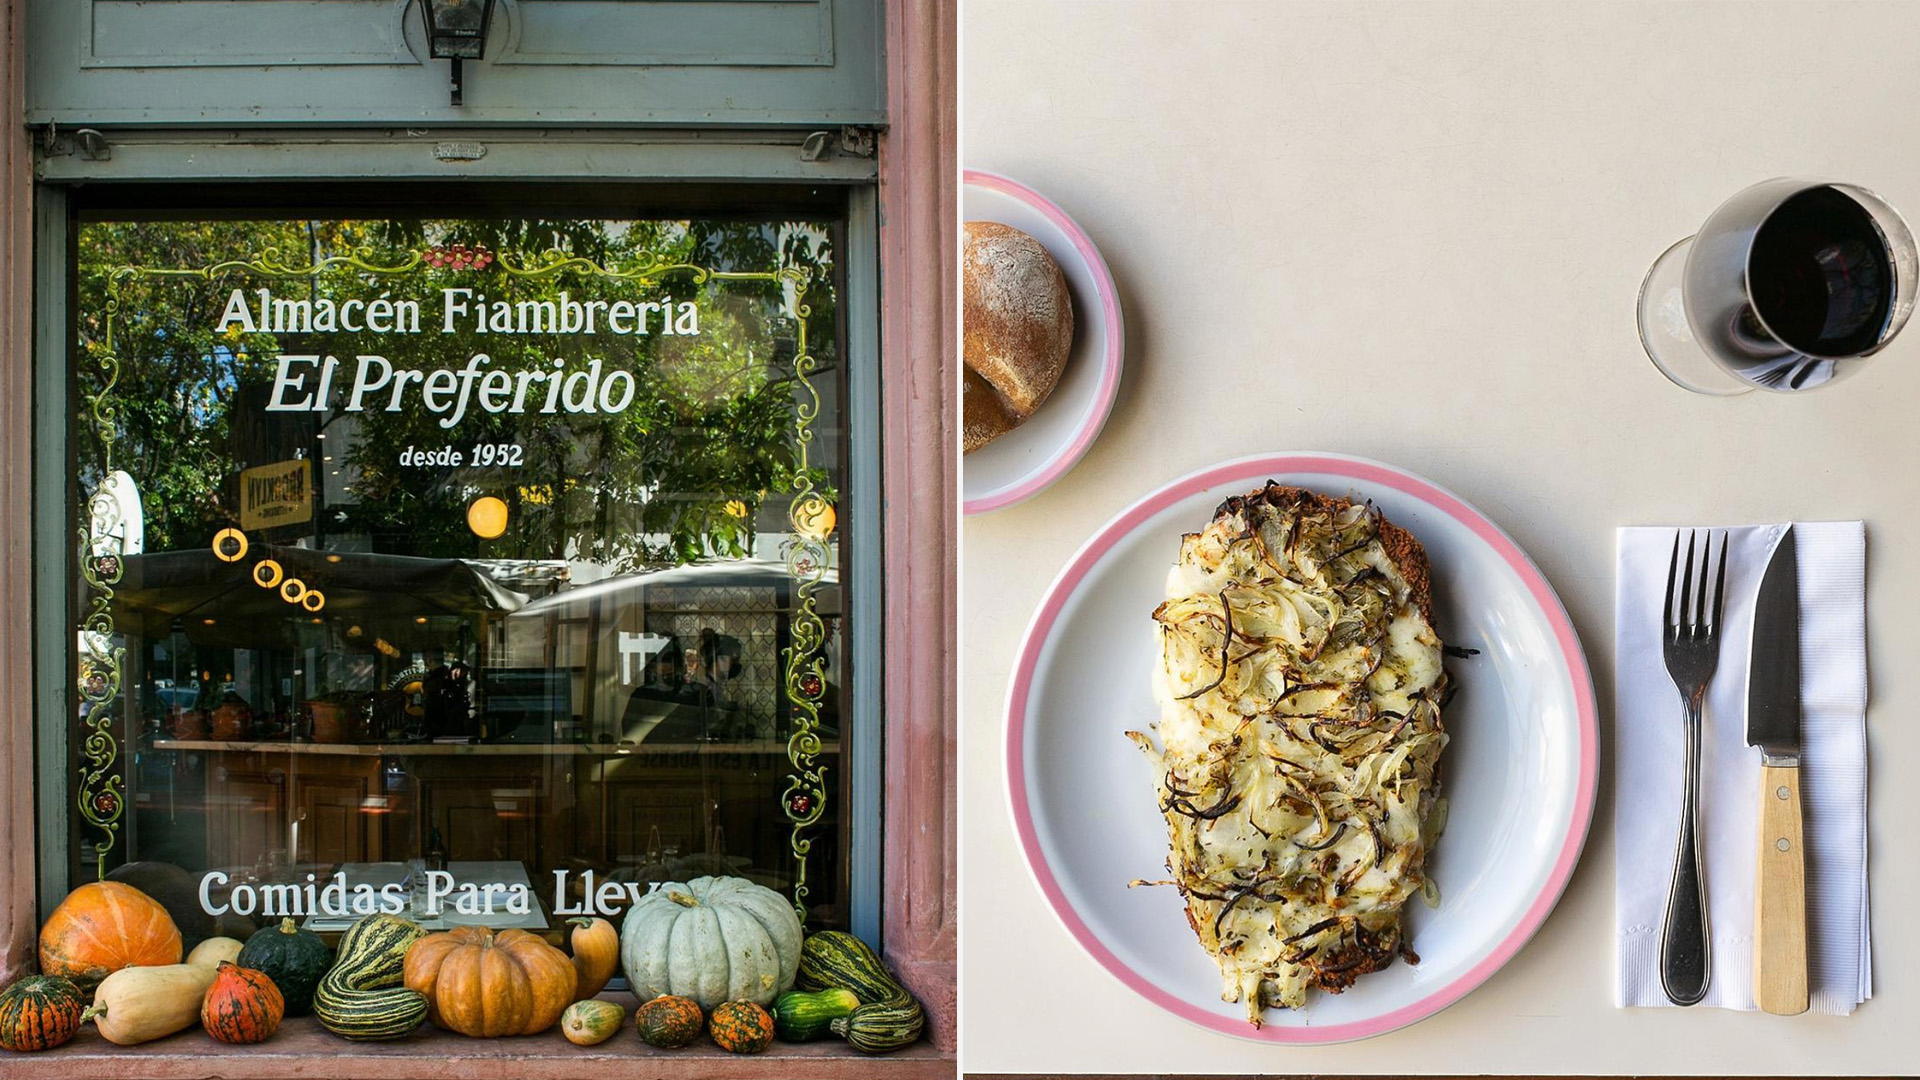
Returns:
(1017, 329)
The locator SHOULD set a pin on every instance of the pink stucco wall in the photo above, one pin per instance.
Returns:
(919, 336)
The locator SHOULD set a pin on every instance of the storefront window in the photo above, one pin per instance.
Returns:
(487, 570)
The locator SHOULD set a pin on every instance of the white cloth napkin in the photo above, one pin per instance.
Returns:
(1648, 728)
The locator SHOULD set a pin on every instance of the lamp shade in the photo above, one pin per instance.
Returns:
(456, 29)
(487, 517)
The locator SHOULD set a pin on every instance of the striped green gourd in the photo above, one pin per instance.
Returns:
(877, 1029)
(803, 1015)
(361, 997)
(40, 1012)
(835, 960)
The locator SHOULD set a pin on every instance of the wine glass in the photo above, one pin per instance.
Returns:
(1790, 285)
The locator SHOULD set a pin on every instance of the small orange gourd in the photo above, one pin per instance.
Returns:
(596, 955)
(242, 1005)
(741, 1027)
(669, 1022)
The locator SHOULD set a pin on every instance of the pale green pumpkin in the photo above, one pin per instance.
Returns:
(712, 939)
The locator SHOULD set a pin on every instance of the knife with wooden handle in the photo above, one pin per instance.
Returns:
(1773, 725)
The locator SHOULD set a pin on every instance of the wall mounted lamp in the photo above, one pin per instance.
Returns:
(457, 31)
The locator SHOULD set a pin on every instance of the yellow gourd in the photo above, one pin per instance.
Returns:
(211, 952)
(137, 1004)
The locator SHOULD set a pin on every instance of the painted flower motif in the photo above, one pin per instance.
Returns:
(105, 804)
(810, 685)
(736, 508)
(458, 257)
(800, 805)
(107, 567)
(805, 566)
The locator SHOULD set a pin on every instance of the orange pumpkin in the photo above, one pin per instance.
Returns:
(104, 926)
(596, 955)
(242, 1005)
(484, 984)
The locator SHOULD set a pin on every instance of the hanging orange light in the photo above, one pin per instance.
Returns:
(229, 545)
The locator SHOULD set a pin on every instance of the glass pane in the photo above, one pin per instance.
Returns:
(487, 570)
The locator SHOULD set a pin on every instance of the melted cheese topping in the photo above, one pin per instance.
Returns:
(1299, 733)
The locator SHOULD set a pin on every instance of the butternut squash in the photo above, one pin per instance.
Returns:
(212, 951)
(139, 1004)
(596, 955)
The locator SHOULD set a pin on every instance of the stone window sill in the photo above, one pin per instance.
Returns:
(303, 1049)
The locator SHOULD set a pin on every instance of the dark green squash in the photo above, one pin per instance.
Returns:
(836, 960)
(293, 958)
(801, 1015)
(877, 1029)
(669, 1022)
(40, 1012)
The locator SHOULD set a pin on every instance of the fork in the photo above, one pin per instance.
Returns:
(1690, 638)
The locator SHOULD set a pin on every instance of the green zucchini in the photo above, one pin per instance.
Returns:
(360, 997)
(879, 1028)
(835, 960)
(800, 1015)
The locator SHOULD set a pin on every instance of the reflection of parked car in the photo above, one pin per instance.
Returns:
(682, 654)
(178, 697)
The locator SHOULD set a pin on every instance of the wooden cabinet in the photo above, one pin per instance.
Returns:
(335, 817)
(566, 807)
(255, 800)
(724, 804)
(246, 808)
(643, 813)
(345, 806)
(486, 809)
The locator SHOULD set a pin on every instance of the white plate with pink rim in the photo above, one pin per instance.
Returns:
(1021, 463)
(1519, 773)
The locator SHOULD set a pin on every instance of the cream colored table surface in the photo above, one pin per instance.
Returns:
(1453, 205)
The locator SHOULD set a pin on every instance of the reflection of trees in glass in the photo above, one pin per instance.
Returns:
(177, 377)
(678, 475)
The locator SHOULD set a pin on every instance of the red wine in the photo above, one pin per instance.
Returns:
(1820, 274)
